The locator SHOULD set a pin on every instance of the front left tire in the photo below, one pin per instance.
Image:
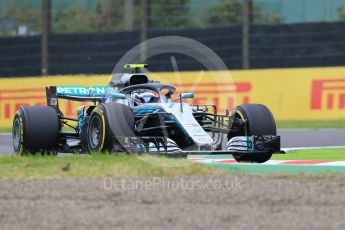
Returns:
(258, 120)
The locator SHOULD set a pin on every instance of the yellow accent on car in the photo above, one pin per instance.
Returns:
(103, 130)
(242, 118)
(101, 114)
(133, 66)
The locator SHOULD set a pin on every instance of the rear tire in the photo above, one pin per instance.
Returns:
(108, 120)
(35, 129)
(259, 121)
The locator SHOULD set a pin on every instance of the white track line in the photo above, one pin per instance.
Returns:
(311, 129)
(5, 134)
(274, 162)
(307, 148)
(335, 163)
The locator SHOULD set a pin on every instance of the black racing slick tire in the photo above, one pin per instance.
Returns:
(36, 129)
(107, 122)
(258, 121)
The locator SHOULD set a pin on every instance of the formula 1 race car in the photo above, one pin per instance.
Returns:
(137, 115)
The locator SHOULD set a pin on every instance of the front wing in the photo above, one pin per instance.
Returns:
(165, 146)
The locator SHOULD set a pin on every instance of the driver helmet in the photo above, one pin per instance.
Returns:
(148, 96)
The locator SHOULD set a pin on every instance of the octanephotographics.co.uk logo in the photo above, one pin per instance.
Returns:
(233, 184)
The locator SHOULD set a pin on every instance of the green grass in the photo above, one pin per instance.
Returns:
(101, 165)
(312, 124)
(98, 165)
(282, 170)
(312, 154)
(5, 130)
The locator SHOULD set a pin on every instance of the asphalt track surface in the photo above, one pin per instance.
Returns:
(290, 138)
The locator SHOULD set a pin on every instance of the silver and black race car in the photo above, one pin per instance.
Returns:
(136, 115)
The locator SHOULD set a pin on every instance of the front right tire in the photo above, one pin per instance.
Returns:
(108, 122)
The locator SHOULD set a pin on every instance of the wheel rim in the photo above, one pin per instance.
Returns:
(16, 134)
(95, 132)
(241, 117)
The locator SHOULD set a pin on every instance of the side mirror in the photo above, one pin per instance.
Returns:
(117, 95)
(187, 95)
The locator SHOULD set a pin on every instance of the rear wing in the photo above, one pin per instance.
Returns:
(95, 94)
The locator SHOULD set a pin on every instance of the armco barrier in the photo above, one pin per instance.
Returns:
(291, 94)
